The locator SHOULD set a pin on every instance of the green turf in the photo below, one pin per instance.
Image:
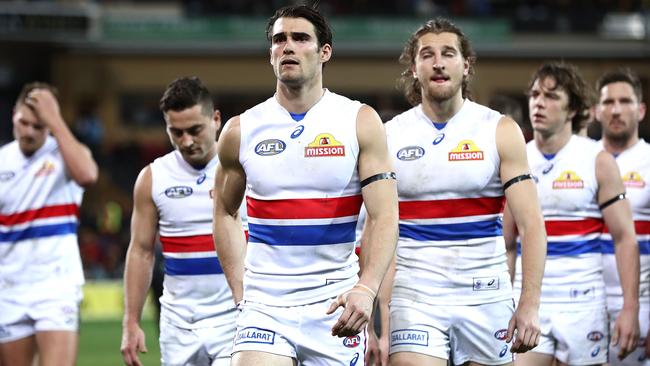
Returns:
(99, 343)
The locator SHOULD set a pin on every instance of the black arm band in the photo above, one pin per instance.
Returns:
(620, 196)
(377, 177)
(517, 179)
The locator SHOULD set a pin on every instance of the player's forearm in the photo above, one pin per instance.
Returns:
(627, 262)
(379, 249)
(78, 159)
(137, 280)
(533, 258)
(230, 243)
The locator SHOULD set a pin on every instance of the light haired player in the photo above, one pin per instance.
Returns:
(42, 177)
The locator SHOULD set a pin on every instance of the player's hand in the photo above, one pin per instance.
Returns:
(524, 328)
(626, 332)
(377, 352)
(357, 303)
(132, 343)
(45, 106)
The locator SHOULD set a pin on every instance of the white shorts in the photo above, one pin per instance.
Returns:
(300, 332)
(637, 357)
(460, 333)
(39, 307)
(210, 346)
(575, 337)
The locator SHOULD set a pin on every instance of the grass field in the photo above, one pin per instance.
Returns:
(99, 343)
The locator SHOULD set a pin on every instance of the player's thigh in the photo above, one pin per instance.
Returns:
(19, 352)
(415, 359)
(57, 347)
(533, 359)
(247, 358)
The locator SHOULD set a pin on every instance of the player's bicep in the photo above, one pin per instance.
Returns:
(375, 168)
(230, 179)
(144, 219)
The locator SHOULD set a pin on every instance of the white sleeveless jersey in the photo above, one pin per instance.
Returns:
(195, 288)
(634, 164)
(39, 209)
(451, 248)
(567, 189)
(303, 197)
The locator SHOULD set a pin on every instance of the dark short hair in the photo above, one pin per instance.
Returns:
(567, 77)
(311, 14)
(184, 93)
(622, 75)
(409, 84)
(27, 88)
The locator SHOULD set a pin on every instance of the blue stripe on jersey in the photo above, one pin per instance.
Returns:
(459, 231)
(568, 248)
(302, 234)
(36, 232)
(192, 266)
(644, 247)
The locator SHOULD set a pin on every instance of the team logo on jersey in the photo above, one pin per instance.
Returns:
(568, 179)
(324, 145)
(46, 169)
(501, 334)
(410, 153)
(270, 147)
(485, 283)
(595, 336)
(255, 335)
(352, 341)
(633, 180)
(409, 336)
(466, 150)
(5, 176)
(178, 192)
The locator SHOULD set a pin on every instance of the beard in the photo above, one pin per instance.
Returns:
(441, 94)
(620, 136)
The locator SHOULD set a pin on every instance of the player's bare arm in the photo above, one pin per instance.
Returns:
(229, 189)
(510, 238)
(380, 199)
(521, 196)
(140, 260)
(78, 160)
(618, 218)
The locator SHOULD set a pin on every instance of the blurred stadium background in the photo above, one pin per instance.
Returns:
(111, 61)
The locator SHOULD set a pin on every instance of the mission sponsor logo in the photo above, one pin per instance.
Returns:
(179, 192)
(410, 153)
(568, 179)
(352, 341)
(270, 147)
(255, 335)
(466, 150)
(409, 336)
(46, 169)
(633, 180)
(324, 145)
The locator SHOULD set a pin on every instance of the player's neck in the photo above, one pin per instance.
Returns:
(617, 146)
(301, 98)
(552, 143)
(441, 111)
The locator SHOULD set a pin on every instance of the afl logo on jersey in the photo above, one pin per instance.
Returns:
(352, 341)
(501, 334)
(178, 192)
(595, 336)
(410, 153)
(270, 147)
